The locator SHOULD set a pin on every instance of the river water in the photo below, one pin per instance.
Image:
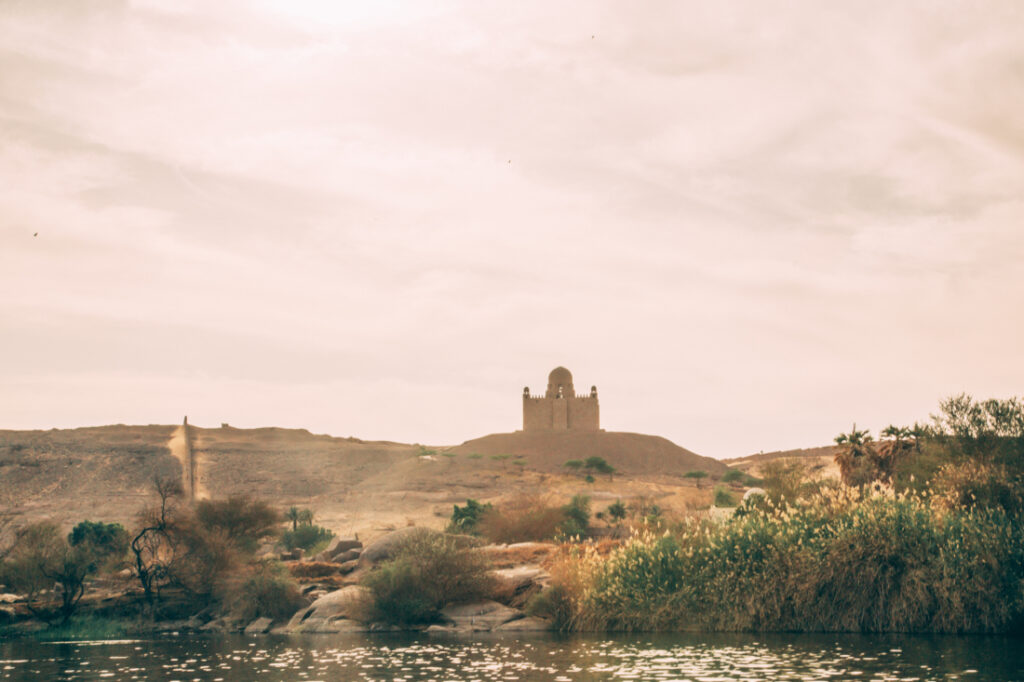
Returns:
(641, 657)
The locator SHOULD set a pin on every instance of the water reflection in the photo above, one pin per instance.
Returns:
(706, 658)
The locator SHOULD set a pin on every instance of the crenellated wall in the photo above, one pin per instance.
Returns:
(579, 413)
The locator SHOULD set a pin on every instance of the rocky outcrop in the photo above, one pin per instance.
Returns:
(340, 611)
(485, 615)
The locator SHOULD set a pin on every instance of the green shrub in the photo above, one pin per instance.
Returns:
(267, 592)
(429, 571)
(577, 517)
(465, 519)
(723, 497)
(841, 561)
(733, 476)
(308, 537)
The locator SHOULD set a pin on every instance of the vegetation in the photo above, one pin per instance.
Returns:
(429, 571)
(590, 466)
(576, 517)
(697, 475)
(522, 519)
(723, 497)
(847, 560)
(733, 476)
(268, 591)
(616, 512)
(466, 519)
(41, 560)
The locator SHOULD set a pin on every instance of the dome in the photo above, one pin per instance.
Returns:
(560, 378)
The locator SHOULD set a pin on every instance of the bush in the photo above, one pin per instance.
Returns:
(429, 571)
(241, 518)
(465, 519)
(268, 592)
(577, 517)
(723, 497)
(523, 519)
(733, 476)
(308, 537)
(844, 560)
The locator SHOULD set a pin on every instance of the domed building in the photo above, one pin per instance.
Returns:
(560, 409)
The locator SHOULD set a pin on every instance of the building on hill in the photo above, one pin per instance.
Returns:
(560, 409)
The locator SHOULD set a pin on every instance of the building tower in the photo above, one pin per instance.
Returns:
(560, 409)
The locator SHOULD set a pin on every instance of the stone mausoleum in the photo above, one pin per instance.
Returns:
(560, 409)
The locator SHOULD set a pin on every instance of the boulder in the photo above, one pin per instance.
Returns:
(528, 624)
(485, 615)
(348, 567)
(347, 555)
(327, 613)
(259, 626)
(339, 545)
(521, 577)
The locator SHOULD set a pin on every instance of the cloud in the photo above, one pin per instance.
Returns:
(717, 213)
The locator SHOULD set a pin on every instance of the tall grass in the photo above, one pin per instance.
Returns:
(842, 561)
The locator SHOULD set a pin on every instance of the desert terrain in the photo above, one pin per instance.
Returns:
(353, 486)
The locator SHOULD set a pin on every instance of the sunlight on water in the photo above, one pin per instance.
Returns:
(708, 658)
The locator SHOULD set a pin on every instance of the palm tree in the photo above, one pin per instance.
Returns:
(293, 514)
(856, 444)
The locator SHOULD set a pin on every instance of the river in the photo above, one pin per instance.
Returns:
(703, 657)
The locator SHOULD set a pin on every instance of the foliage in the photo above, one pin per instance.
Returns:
(268, 590)
(298, 516)
(429, 571)
(523, 518)
(465, 519)
(577, 517)
(723, 497)
(786, 479)
(732, 476)
(41, 559)
(847, 559)
(244, 520)
(309, 537)
(574, 464)
(598, 465)
(108, 538)
(697, 475)
(616, 512)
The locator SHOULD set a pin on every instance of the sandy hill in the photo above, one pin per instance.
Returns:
(819, 461)
(632, 454)
(105, 473)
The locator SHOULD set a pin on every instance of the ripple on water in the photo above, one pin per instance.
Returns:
(708, 658)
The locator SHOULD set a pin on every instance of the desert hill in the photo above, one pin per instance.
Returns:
(632, 454)
(105, 473)
(820, 461)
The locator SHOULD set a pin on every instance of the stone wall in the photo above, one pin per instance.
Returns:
(579, 413)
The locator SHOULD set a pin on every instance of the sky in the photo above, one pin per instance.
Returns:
(750, 224)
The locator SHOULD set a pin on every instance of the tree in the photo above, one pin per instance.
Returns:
(616, 512)
(733, 476)
(154, 545)
(697, 475)
(243, 519)
(851, 458)
(574, 464)
(577, 516)
(41, 560)
(598, 465)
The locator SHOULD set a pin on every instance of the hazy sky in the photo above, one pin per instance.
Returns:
(749, 223)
